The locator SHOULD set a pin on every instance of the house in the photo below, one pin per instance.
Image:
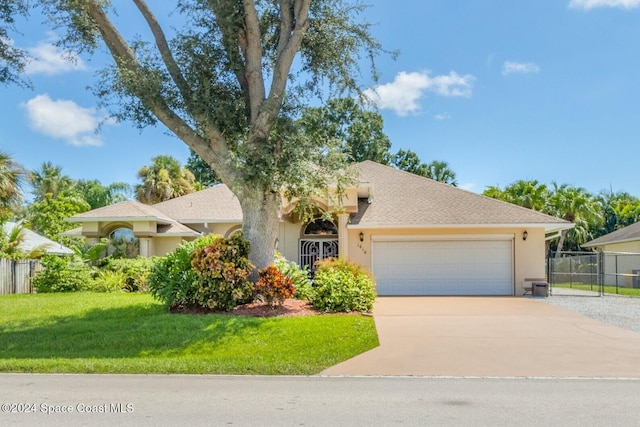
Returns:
(30, 241)
(620, 255)
(626, 239)
(416, 235)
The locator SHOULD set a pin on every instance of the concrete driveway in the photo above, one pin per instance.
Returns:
(494, 337)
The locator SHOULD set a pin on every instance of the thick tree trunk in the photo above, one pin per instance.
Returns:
(260, 225)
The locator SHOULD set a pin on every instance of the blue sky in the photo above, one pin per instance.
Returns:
(500, 89)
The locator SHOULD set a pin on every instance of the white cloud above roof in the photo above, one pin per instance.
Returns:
(511, 67)
(404, 93)
(592, 4)
(64, 119)
(46, 58)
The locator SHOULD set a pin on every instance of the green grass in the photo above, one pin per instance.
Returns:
(607, 289)
(133, 333)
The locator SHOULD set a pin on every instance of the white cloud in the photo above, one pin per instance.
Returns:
(64, 119)
(442, 116)
(510, 67)
(46, 58)
(591, 4)
(403, 94)
(469, 186)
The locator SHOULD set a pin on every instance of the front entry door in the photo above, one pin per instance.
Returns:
(312, 250)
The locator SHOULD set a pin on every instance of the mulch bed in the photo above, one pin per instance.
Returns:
(290, 307)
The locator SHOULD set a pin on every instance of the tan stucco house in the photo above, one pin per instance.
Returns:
(620, 251)
(416, 235)
(626, 239)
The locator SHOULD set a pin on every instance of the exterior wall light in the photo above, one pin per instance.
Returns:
(525, 235)
(361, 235)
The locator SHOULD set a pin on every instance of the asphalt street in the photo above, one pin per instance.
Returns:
(172, 400)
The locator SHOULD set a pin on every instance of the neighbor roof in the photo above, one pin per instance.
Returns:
(33, 240)
(215, 204)
(626, 234)
(402, 199)
(123, 211)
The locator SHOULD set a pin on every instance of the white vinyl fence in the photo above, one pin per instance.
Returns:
(15, 276)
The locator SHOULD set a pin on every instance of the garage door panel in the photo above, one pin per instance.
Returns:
(447, 267)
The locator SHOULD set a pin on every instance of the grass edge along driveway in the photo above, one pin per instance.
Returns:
(133, 333)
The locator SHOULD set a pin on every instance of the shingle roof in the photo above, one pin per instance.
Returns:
(399, 199)
(626, 234)
(215, 204)
(176, 229)
(403, 199)
(124, 210)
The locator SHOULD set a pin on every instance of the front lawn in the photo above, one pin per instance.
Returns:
(634, 292)
(133, 333)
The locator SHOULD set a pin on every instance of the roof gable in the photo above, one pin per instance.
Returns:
(215, 204)
(626, 234)
(403, 199)
(124, 210)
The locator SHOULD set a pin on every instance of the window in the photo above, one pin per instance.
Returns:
(320, 227)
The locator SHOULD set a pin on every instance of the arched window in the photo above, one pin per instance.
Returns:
(123, 243)
(320, 227)
(123, 235)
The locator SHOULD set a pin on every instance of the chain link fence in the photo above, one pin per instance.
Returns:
(593, 271)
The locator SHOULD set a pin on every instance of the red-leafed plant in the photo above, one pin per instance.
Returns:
(274, 286)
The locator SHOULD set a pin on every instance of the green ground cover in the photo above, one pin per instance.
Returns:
(133, 333)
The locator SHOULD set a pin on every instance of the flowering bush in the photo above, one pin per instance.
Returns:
(274, 286)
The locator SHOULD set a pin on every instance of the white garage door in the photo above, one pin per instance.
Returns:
(443, 267)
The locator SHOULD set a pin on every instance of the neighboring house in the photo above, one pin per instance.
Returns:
(417, 236)
(621, 257)
(626, 239)
(32, 240)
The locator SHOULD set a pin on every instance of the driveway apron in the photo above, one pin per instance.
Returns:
(492, 337)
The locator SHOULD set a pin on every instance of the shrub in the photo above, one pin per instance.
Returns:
(274, 286)
(222, 270)
(135, 272)
(172, 279)
(62, 274)
(340, 285)
(108, 281)
(299, 277)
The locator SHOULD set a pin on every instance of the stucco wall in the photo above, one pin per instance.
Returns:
(164, 245)
(633, 247)
(288, 240)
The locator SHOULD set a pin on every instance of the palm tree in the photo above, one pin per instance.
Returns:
(441, 172)
(576, 205)
(98, 195)
(164, 180)
(526, 193)
(49, 180)
(619, 210)
(12, 179)
(530, 194)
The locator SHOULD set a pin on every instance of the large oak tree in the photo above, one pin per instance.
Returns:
(230, 82)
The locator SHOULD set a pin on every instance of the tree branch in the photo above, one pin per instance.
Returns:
(163, 48)
(214, 151)
(253, 59)
(288, 45)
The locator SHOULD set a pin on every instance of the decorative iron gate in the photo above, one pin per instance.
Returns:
(312, 250)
